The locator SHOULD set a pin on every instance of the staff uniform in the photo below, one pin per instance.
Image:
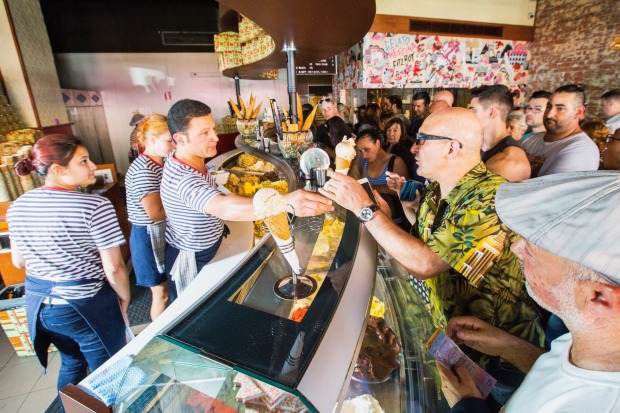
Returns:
(147, 240)
(60, 233)
(191, 233)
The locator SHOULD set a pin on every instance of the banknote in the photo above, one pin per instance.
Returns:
(445, 351)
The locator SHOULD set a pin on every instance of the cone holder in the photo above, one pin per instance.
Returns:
(295, 286)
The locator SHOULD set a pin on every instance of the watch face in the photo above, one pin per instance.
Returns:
(366, 214)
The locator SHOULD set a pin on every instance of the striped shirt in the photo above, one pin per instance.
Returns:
(185, 192)
(60, 233)
(143, 178)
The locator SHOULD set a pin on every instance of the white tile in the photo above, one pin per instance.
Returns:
(50, 378)
(38, 401)
(15, 360)
(12, 404)
(20, 378)
(6, 349)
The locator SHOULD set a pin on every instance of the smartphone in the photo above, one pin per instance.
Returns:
(368, 189)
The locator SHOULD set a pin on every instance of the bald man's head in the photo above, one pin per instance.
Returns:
(438, 105)
(445, 96)
(456, 123)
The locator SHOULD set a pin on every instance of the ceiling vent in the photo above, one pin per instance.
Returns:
(187, 38)
(426, 26)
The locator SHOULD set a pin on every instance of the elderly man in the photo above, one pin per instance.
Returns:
(572, 271)
(535, 111)
(195, 208)
(459, 246)
(501, 154)
(564, 147)
(611, 109)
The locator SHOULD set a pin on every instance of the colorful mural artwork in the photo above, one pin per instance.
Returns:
(420, 61)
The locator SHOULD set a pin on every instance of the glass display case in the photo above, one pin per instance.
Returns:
(245, 349)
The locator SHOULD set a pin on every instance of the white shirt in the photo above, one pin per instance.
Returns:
(185, 192)
(554, 385)
(572, 154)
(613, 123)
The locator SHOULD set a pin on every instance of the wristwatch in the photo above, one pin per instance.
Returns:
(367, 212)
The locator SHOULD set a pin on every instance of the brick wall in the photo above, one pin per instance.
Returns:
(571, 45)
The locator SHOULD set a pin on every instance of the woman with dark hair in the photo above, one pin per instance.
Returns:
(77, 289)
(376, 163)
(372, 116)
(399, 143)
(146, 211)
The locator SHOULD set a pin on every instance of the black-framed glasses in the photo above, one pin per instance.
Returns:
(325, 100)
(610, 138)
(421, 137)
(535, 109)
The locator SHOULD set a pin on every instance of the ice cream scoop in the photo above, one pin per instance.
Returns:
(345, 152)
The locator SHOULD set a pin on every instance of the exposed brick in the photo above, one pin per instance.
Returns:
(571, 45)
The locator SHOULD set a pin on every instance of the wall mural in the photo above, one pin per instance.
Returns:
(420, 61)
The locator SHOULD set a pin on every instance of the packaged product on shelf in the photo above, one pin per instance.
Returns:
(227, 42)
(229, 60)
(257, 49)
(248, 30)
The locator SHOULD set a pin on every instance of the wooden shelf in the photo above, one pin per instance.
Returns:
(317, 29)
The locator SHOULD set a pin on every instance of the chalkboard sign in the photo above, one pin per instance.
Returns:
(322, 67)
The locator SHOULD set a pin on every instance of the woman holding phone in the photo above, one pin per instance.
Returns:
(77, 289)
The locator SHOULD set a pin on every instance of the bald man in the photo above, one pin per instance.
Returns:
(444, 96)
(458, 244)
(438, 105)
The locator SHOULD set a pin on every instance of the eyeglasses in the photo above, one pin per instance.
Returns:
(610, 138)
(421, 137)
(325, 100)
(537, 109)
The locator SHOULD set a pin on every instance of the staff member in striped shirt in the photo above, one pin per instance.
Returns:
(194, 206)
(77, 290)
(146, 212)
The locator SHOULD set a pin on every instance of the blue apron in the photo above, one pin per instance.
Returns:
(102, 312)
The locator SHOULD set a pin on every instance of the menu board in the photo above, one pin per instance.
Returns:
(322, 67)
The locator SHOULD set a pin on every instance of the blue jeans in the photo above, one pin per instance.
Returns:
(77, 343)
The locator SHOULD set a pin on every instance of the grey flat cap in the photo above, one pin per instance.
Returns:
(573, 215)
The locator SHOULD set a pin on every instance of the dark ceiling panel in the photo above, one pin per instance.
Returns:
(129, 26)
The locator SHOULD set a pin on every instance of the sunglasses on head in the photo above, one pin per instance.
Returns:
(420, 138)
(325, 100)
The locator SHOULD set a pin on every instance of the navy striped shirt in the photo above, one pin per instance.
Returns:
(143, 178)
(60, 232)
(185, 192)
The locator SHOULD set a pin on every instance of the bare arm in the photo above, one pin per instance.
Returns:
(412, 253)
(494, 341)
(239, 208)
(116, 273)
(153, 207)
(17, 257)
(511, 163)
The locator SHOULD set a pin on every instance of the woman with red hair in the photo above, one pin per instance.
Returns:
(77, 289)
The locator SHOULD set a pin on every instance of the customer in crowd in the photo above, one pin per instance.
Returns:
(444, 96)
(195, 208)
(501, 154)
(146, 212)
(437, 106)
(420, 103)
(399, 143)
(597, 130)
(570, 270)
(611, 109)
(563, 147)
(361, 113)
(397, 109)
(376, 163)
(328, 108)
(535, 111)
(344, 112)
(77, 289)
(337, 129)
(386, 104)
(515, 124)
(611, 152)
(478, 277)
(373, 116)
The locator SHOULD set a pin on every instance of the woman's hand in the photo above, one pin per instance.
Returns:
(395, 182)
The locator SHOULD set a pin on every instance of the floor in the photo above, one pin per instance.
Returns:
(23, 386)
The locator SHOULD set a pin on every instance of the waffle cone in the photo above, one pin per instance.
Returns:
(342, 163)
(278, 225)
